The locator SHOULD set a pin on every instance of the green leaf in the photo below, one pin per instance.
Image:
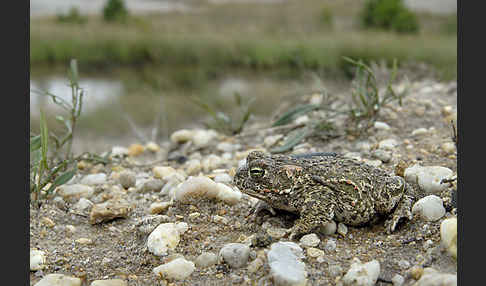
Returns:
(291, 114)
(35, 157)
(62, 179)
(44, 138)
(298, 136)
(35, 143)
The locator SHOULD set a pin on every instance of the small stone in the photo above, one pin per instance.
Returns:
(429, 208)
(119, 151)
(403, 264)
(419, 131)
(329, 228)
(75, 191)
(220, 219)
(342, 229)
(381, 125)
(388, 144)
(447, 110)
(152, 185)
(416, 272)
(211, 162)
(194, 215)
(108, 210)
(398, 280)
(135, 150)
(58, 280)
(152, 147)
(255, 265)
(82, 206)
(235, 254)
(84, 240)
(127, 179)
(276, 232)
(302, 119)
(181, 136)
(335, 270)
(163, 172)
(93, 179)
(223, 178)
(159, 207)
(37, 259)
(206, 259)
(205, 187)
(448, 147)
(182, 227)
(193, 166)
(448, 235)
(164, 237)
(362, 274)
(177, 269)
(363, 146)
(70, 229)
(227, 147)
(203, 138)
(314, 252)
(432, 277)
(286, 267)
(428, 178)
(374, 163)
(382, 155)
(109, 282)
(47, 222)
(310, 240)
(330, 245)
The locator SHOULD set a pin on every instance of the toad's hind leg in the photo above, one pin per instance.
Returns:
(314, 213)
(402, 211)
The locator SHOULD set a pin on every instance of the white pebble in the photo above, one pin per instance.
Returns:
(37, 259)
(398, 280)
(342, 229)
(182, 227)
(193, 166)
(381, 125)
(419, 131)
(330, 245)
(448, 147)
(75, 191)
(204, 186)
(329, 228)
(223, 178)
(82, 206)
(178, 269)
(203, 138)
(206, 259)
(127, 179)
(166, 236)
(58, 280)
(227, 147)
(362, 274)
(119, 151)
(429, 208)
(235, 254)
(94, 179)
(448, 235)
(181, 136)
(109, 282)
(428, 178)
(159, 207)
(388, 144)
(165, 173)
(286, 267)
(211, 162)
(432, 277)
(310, 240)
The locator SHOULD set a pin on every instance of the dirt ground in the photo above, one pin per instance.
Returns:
(118, 249)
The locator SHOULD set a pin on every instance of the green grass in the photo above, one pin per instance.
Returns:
(235, 36)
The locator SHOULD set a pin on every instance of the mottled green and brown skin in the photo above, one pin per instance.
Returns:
(321, 187)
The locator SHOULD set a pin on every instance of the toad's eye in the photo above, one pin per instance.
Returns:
(256, 172)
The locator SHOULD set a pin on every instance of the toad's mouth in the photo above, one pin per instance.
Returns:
(255, 194)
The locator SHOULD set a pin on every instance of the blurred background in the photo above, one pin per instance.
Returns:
(163, 64)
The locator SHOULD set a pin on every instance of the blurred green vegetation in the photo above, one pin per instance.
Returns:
(260, 37)
(389, 15)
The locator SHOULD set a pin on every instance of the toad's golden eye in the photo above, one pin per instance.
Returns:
(256, 172)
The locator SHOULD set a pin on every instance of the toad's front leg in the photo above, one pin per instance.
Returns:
(314, 213)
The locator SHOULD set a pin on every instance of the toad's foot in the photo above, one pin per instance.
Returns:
(260, 206)
(403, 211)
